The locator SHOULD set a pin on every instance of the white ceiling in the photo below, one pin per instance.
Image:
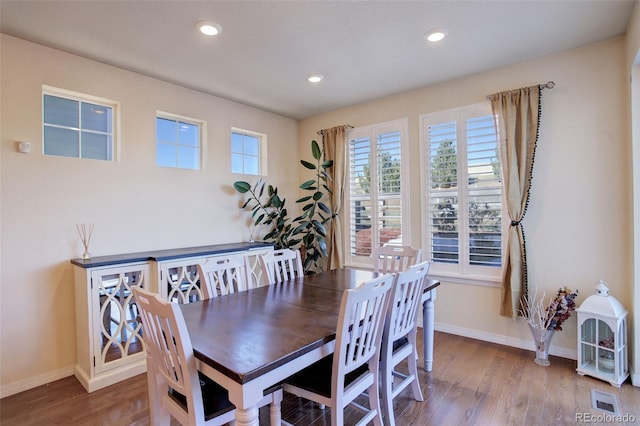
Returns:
(364, 49)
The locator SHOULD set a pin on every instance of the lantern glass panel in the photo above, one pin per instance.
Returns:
(589, 331)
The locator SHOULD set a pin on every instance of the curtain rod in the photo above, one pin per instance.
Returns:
(346, 125)
(547, 85)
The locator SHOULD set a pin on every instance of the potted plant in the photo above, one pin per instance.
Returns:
(306, 232)
(545, 320)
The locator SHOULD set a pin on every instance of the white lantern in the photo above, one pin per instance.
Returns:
(602, 337)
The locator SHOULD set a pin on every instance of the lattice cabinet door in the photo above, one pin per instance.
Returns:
(179, 280)
(116, 316)
(254, 273)
(109, 345)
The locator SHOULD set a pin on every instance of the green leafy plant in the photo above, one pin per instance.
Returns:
(315, 213)
(307, 231)
(270, 211)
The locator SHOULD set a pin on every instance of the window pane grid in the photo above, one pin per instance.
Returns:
(245, 153)
(78, 129)
(177, 143)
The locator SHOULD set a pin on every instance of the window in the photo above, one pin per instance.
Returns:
(247, 152)
(377, 188)
(463, 211)
(178, 141)
(77, 125)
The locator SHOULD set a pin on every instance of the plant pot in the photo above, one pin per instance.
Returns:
(542, 341)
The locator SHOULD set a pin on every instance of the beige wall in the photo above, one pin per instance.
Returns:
(633, 66)
(134, 205)
(577, 226)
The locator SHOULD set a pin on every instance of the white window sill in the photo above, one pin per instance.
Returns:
(488, 281)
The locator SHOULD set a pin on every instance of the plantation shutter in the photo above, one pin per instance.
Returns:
(443, 192)
(360, 196)
(485, 193)
(389, 191)
(464, 225)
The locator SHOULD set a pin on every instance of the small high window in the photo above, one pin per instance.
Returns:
(247, 152)
(77, 125)
(178, 141)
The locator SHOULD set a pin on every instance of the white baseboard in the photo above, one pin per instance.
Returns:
(34, 382)
(504, 340)
(635, 377)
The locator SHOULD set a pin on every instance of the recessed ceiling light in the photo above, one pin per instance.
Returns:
(209, 28)
(435, 35)
(315, 78)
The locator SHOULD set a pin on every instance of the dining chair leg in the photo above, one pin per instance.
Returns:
(386, 381)
(374, 402)
(412, 362)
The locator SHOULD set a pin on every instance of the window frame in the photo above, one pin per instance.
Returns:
(262, 151)
(373, 131)
(463, 271)
(89, 99)
(202, 127)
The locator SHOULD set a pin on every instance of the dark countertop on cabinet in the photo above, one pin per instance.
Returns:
(168, 254)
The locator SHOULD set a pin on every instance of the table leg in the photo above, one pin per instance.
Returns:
(247, 416)
(428, 318)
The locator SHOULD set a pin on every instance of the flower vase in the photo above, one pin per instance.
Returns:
(542, 340)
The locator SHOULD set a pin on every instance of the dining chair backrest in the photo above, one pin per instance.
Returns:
(174, 372)
(399, 341)
(353, 369)
(220, 276)
(280, 265)
(406, 300)
(396, 258)
(360, 325)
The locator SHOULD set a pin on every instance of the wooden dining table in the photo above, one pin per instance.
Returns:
(250, 341)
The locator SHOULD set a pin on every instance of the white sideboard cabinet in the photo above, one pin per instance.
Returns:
(109, 338)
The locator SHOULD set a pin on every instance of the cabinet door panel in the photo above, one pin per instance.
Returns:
(117, 332)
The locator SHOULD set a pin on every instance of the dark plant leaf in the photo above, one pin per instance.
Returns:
(241, 186)
(303, 199)
(307, 207)
(323, 247)
(317, 195)
(322, 206)
(259, 219)
(315, 150)
(308, 184)
(308, 165)
(326, 164)
(320, 228)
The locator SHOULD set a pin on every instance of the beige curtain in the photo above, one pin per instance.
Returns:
(517, 118)
(335, 148)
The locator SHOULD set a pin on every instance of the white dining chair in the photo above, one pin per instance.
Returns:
(395, 258)
(280, 265)
(399, 341)
(187, 395)
(222, 275)
(338, 379)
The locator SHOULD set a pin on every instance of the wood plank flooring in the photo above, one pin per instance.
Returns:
(473, 383)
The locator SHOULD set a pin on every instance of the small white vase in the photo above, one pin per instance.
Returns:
(542, 340)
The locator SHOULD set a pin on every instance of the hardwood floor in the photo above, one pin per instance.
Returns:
(473, 383)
